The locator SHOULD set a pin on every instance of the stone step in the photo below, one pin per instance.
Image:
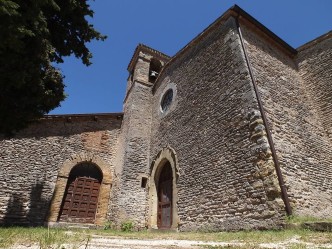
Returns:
(73, 225)
(100, 242)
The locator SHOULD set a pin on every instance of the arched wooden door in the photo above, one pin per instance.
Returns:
(80, 201)
(165, 190)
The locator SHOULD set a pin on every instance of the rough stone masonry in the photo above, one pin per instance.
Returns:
(199, 145)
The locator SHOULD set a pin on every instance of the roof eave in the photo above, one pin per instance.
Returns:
(238, 12)
(116, 115)
(315, 41)
(144, 48)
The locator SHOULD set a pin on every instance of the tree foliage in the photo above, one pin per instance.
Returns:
(34, 35)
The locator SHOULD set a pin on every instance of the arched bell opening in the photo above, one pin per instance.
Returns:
(154, 70)
(80, 201)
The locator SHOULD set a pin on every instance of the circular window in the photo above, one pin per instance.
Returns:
(166, 100)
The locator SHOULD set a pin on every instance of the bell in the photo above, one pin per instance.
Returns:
(153, 74)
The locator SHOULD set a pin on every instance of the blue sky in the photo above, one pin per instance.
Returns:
(168, 26)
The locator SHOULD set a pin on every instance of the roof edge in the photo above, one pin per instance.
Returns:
(315, 41)
(262, 27)
(116, 115)
(143, 47)
(236, 12)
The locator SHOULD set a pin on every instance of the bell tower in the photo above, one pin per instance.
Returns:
(132, 169)
(145, 66)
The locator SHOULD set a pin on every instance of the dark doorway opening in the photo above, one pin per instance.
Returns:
(165, 190)
(80, 201)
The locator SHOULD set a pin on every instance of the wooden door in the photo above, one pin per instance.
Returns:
(80, 201)
(165, 190)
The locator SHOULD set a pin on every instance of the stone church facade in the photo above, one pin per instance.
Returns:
(232, 132)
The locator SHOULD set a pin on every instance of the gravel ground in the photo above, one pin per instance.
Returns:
(102, 242)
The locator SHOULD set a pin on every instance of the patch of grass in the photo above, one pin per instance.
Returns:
(44, 237)
(127, 226)
(298, 246)
(255, 237)
(246, 246)
(40, 236)
(108, 225)
(302, 219)
(222, 247)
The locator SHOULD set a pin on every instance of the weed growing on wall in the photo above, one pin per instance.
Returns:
(127, 226)
(108, 225)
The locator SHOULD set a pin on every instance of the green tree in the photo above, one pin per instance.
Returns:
(34, 35)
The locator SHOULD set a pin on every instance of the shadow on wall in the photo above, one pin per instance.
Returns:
(23, 211)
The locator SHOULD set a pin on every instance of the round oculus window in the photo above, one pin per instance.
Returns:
(166, 100)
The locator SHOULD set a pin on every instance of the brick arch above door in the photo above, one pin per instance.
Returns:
(61, 183)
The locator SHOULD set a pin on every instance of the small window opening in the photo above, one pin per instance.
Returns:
(144, 182)
(132, 76)
(155, 68)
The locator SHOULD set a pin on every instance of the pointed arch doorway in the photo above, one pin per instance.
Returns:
(163, 191)
(165, 197)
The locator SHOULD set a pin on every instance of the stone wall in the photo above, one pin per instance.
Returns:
(130, 197)
(31, 160)
(315, 68)
(212, 135)
(213, 126)
(297, 122)
(133, 165)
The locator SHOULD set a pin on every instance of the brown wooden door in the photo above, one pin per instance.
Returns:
(80, 201)
(165, 190)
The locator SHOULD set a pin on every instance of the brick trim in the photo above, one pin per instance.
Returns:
(61, 183)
